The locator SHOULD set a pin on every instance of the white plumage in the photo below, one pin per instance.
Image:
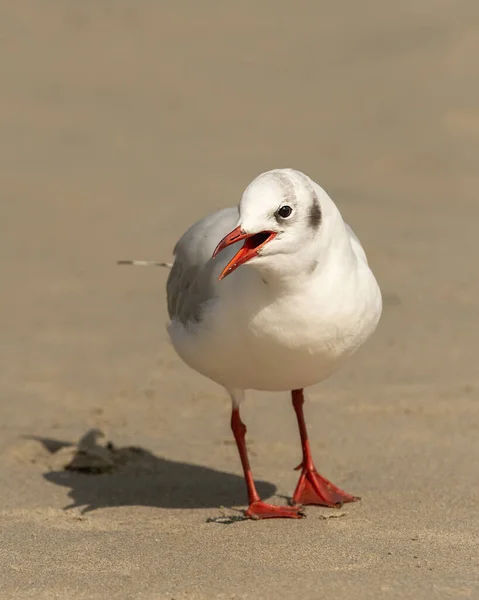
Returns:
(302, 300)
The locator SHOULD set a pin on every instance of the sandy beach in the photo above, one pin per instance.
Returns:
(122, 123)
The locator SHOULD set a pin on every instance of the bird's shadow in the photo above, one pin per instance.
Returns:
(108, 476)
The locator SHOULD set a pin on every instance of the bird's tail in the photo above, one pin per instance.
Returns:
(144, 263)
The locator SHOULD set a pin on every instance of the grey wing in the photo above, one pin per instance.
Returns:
(192, 281)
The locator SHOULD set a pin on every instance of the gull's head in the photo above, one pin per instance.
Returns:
(282, 217)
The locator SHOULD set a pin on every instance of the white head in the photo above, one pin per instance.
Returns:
(288, 223)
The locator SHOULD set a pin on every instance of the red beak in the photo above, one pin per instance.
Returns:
(254, 241)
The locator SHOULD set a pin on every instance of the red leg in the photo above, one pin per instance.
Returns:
(257, 509)
(312, 488)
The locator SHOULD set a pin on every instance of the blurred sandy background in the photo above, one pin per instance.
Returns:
(121, 123)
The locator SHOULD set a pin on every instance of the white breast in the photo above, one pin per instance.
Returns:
(251, 337)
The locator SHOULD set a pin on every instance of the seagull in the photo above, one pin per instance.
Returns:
(273, 295)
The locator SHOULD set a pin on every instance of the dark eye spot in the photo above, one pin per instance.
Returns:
(315, 215)
(284, 211)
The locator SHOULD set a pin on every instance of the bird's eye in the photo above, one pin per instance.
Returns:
(284, 211)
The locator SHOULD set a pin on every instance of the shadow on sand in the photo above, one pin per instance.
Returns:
(105, 476)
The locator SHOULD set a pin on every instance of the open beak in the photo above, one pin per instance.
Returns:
(253, 243)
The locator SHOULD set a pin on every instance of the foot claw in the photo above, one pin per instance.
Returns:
(262, 510)
(312, 488)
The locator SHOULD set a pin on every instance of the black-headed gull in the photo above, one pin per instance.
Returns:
(273, 295)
